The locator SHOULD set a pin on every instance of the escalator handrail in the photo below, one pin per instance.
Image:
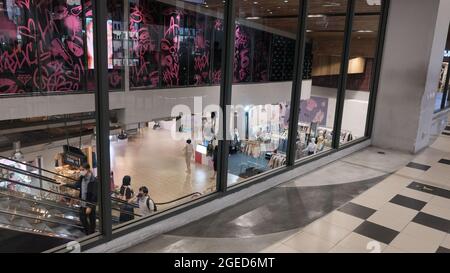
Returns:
(45, 190)
(72, 209)
(44, 170)
(38, 218)
(178, 199)
(50, 180)
(42, 202)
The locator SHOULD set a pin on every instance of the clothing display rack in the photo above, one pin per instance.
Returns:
(277, 160)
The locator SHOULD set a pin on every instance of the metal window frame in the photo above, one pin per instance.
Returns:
(100, 11)
(378, 62)
(109, 233)
(297, 82)
(342, 82)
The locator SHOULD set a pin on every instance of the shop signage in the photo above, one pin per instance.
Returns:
(73, 156)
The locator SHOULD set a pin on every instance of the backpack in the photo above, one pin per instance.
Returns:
(154, 204)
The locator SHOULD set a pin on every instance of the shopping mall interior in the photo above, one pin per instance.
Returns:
(175, 110)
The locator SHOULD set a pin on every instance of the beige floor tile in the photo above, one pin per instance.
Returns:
(394, 209)
(391, 249)
(438, 201)
(437, 211)
(355, 243)
(409, 173)
(343, 220)
(371, 202)
(327, 231)
(437, 175)
(393, 183)
(305, 242)
(391, 220)
(429, 156)
(446, 242)
(422, 196)
(422, 232)
(413, 244)
(279, 248)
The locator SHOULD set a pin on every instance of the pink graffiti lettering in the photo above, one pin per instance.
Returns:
(202, 62)
(29, 30)
(18, 59)
(9, 86)
(59, 50)
(75, 49)
(23, 4)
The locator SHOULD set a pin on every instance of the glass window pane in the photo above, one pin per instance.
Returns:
(264, 58)
(175, 49)
(322, 67)
(363, 47)
(49, 191)
(443, 86)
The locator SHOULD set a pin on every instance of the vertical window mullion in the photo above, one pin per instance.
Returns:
(342, 85)
(225, 94)
(102, 114)
(297, 82)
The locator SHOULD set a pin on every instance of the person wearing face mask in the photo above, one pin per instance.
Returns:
(88, 187)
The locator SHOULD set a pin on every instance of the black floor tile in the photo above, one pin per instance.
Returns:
(444, 161)
(408, 202)
(357, 210)
(442, 249)
(432, 221)
(446, 134)
(379, 233)
(430, 189)
(418, 166)
(447, 128)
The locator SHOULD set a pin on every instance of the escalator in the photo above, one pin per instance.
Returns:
(34, 216)
(41, 214)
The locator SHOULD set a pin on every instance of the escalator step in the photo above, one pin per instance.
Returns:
(22, 223)
(43, 227)
(4, 220)
(5, 204)
(54, 212)
(25, 205)
(62, 231)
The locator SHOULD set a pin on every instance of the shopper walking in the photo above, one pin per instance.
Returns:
(188, 152)
(214, 159)
(88, 186)
(126, 194)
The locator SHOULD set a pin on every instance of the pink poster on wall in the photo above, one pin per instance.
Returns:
(110, 43)
(90, 42)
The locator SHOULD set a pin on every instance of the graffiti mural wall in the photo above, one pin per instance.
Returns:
(46, 46)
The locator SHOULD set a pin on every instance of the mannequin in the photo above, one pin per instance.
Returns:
(320, 143)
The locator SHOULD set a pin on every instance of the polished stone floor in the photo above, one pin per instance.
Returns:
(372, 201)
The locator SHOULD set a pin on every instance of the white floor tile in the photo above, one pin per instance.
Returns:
(359, 244)
(422, 196)
(438, 201)
(409, 173)
(446, 242)
(391, 220)
(327, 231)
(437, 211)
(391, 249)
(305, 242)
(422, 232)
(279, 248)
(343, 220)
(412, 244)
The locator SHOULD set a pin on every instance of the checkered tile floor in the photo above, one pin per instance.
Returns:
(407, 212)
